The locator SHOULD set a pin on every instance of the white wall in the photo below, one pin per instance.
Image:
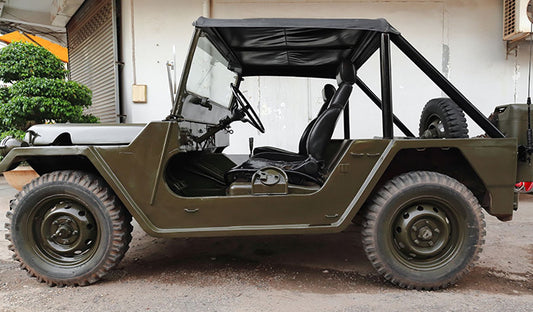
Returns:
(470, 30)
(159, 25)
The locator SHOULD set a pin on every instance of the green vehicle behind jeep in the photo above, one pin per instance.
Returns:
(420, 196)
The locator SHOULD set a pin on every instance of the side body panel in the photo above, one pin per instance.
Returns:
(136, 173)
(138, 170)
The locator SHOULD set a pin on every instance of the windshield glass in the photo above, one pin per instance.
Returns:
(209, 75)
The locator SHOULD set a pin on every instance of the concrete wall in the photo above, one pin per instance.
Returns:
(461, 38)
(158, 26)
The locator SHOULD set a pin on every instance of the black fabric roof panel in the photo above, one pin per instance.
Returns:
(288, 38)
(295, 47)
(378, 25)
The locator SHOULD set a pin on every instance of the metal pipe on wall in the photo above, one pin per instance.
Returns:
(206, 8)
(133, 57)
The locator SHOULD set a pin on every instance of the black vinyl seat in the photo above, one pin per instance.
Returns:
(302, 168)
(327, 94)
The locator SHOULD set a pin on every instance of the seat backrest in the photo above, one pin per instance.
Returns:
(322, 130)
(327, 93)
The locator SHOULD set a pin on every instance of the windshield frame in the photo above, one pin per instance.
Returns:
(177, 106)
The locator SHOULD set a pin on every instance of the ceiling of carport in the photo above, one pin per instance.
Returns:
(46, 18)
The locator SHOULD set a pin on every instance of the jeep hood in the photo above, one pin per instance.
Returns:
(83, 134)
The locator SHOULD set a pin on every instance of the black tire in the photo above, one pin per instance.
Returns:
(67, 228)
(442, 118)
(423, 230)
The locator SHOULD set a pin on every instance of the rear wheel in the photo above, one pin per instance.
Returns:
(68, 228)
(423, 230)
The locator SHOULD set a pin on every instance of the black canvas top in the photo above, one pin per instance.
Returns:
(294, 47)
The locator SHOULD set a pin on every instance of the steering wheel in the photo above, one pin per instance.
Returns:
(247, 109)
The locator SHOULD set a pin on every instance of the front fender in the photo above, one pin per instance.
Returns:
(91, 158)
(20, 154)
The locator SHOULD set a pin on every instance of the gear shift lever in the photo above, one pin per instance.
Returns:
(251, 145)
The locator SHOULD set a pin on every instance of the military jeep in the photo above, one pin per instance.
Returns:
(420, 197)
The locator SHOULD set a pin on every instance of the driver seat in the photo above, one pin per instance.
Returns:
(327, 94)
(301, 169)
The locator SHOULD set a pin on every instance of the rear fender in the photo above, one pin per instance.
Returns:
(486, 166)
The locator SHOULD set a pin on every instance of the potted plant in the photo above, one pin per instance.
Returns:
(37, 91)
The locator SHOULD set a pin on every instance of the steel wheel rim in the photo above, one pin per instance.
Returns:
(63, 231)
(435, 127)
(426, 234)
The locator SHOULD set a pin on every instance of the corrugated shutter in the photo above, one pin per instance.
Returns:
(92, 56)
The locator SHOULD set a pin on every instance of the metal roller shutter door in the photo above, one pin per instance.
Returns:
(93, 54)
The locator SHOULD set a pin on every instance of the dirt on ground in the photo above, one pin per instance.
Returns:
(277, 273)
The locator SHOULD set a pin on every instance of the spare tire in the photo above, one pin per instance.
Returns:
(442, 118)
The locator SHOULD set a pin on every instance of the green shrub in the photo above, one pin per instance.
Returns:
(19, 61)
(70, 91)
(4, 94)
(18, 134)
(39, 92)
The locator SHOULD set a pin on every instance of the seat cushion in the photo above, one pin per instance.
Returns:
(271, 149)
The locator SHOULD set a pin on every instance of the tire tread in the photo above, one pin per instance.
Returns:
(451, 114)
(378, 202)
(119, 216)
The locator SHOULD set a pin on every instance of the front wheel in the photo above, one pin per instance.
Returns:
(68, 228)
(423, 230)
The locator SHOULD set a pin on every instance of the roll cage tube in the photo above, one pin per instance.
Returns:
(385, 104)
(443, 83)
(386, 87)
(372, 96)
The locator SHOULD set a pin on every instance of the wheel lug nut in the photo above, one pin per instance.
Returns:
(417, 241)
(436, 230)
(414, 228)
(430, 243)
(75, 233)
(55, 222)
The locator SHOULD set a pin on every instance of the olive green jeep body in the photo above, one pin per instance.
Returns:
(420, 197)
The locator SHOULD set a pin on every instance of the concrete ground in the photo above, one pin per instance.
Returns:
(283, 273)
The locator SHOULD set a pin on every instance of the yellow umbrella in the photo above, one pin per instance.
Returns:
(59, 51)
